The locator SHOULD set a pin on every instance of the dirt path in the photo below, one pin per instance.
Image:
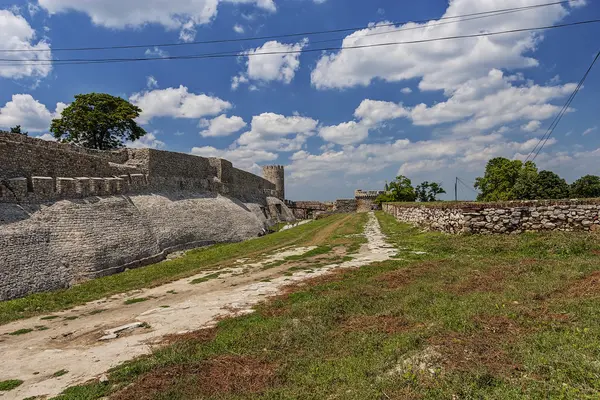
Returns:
(71, 342)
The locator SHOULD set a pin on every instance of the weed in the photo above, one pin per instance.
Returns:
(71, 318)
(60, 373)
(136, 300)
(22, 331)
(49, 317)
(41, 328)
(206, 278)
(94, 312)
(10, 384)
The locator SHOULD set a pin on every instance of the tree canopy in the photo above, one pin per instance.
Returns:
(498, 182)
(427, 192)
(98, 121)
(586, 186)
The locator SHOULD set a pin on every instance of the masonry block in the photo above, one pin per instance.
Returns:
(82, 186)
(65, 187)
(43, 187)
(97, 187)
(138, 182)
(18, 188)
(110, 186)
(124, 183)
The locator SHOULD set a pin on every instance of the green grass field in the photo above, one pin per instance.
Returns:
(451, 317)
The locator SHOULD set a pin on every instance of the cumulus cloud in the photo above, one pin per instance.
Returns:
(221, 126)
(345, 133)
(271, 67)
(440, 65)
(531, 126)
(18, 36)
(177, 103)
(238, 28)
(406, 90)
(275, 132)
(183, 15)
(148, 141)
(26, 111)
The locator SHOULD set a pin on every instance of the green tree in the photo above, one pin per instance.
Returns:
(17, 129)
(526, 185)
(551, 186)
(402, 190)
(500, 177)
(384, 198)
(586, 187)
(98, 121)
(427, 192)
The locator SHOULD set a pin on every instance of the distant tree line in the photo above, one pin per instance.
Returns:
(503, 180)
(506, 179)
(401, 189)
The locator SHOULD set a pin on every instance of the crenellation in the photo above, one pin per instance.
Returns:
(66, 188)
(44, 188)
(82, 186)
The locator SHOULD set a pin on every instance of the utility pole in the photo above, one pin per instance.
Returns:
(456, 189)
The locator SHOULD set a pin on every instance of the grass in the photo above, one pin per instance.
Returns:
(22, 331)
(60, 373)
(11, 384)
(206, 278)
(494, 317)
(195, 261)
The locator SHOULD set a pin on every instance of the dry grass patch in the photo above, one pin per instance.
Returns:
(484, 348)
(225, 374)
(588, 286)
(387, 324)
(200, 336)
(405, 276)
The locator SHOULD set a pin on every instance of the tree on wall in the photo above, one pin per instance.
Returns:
(17, 129)
(98, 121)
(586, 186)
(427, 192)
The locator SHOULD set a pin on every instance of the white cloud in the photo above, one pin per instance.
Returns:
(241, 157)
(238, 28)
(148, 141)
(406, 90)
(18, 36)
(32, 8)
(531, 126)
(47, 137)
(156, 52)
(271, 67)
(32, 115)
(590, 130)
(151, 82)
(177, 103)
(373, 112)
(183, 15)
(440, 65)
(275, 132)
(221, 126)
(345, 133)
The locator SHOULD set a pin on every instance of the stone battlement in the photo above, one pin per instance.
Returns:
(367, 194)
(34, 170)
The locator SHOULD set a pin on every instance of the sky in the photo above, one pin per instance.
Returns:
(338, 120)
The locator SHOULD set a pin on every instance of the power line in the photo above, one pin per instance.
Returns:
(467, 186)
(309, 33)
(238, 54)
(544, 139)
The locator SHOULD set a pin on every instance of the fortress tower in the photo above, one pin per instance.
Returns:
(276, 175)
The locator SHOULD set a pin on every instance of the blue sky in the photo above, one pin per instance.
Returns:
(337, 120)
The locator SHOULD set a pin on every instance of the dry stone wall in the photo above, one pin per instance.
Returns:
(502, 218)
(68, 214)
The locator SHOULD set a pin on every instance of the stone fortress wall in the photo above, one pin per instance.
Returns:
(365, 200)
(501, 218)
(69, 214)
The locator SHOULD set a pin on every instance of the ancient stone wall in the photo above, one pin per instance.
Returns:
(502, 218)
(345, 206)
(68, 214)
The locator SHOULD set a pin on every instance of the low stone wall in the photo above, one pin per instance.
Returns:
(501, 218)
